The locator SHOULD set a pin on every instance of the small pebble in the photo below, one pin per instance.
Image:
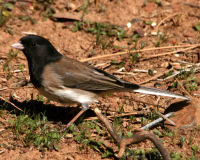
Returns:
(153, 24)
(177, 55)
(154, 33)
(129, 24)
(164, 64)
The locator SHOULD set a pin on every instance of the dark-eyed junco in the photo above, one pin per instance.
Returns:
(67, 80)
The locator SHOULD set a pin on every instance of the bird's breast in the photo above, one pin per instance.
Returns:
(69, 95)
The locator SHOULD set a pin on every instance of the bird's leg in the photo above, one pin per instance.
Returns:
(84, 108)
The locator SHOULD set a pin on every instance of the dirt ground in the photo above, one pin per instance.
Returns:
(175, 20)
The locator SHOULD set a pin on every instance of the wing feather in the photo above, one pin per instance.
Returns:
(82, 76)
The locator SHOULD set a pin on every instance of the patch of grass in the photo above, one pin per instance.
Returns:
(5, 12)
(157, 132)
(169, 133)
(168, 74)
(6, 66)
(27, 18)
(181, 141)
(84, 7)
(134, 58)
(36, 130)
(190, 82)
(176, 156)
(197, 26)
(133, 39)
(102, 8)
(21, 67)
(161, 39)
(118, 64)
(101, 31)
(45, 7)
(3, 112)
(152, 115)
(87, 141)
(40, 98)
(149, 154)
(184, 75)
(195, 149)
(188, 78)
(158, 2)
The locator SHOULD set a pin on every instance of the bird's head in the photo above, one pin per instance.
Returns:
(36, 47)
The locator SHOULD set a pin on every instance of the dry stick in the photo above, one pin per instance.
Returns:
(178, 72)
(166, 118)
(11, 103)
(138, 136)
(135, 51)
(116, 115)
(163, 20)
(184, 90)
(124, 73)
(125, 114)
(156, 121)
(108, 125)
(1, 89)
(168, 53)
(15, 71)
(5, 88)
(156, 76)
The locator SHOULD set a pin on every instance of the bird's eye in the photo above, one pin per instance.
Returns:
(33, 44)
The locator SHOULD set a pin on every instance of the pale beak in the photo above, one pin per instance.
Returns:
(18, 46)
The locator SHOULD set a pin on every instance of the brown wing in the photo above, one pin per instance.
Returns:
(82, 76)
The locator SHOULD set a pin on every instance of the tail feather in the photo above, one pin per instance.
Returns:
(154, 91)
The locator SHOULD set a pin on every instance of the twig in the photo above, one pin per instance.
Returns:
(15, 71)
(166, 118)
(116, 115)
(124, 73)
(184, 90)
(173, 75)
(156, 76)
(168, 53)
(11, 103)
(126, 114)
(163, 20)
(192, 5)
(146, 127)
(107, 124)
(138, 136)
(185, 62)
(178, 72)
(195, 94)
(143, 70)
(3, 57)
(1, 151)
(1, 89)
(134, 70)
(135, 51)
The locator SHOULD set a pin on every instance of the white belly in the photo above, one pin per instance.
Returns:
(68, 95)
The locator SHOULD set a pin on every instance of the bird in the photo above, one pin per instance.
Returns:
(68, 81)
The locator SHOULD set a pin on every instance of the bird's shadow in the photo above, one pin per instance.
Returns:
(64, 114)
(177, 106)
(52, 112)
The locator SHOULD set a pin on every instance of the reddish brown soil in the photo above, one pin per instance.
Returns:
(78, 45)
